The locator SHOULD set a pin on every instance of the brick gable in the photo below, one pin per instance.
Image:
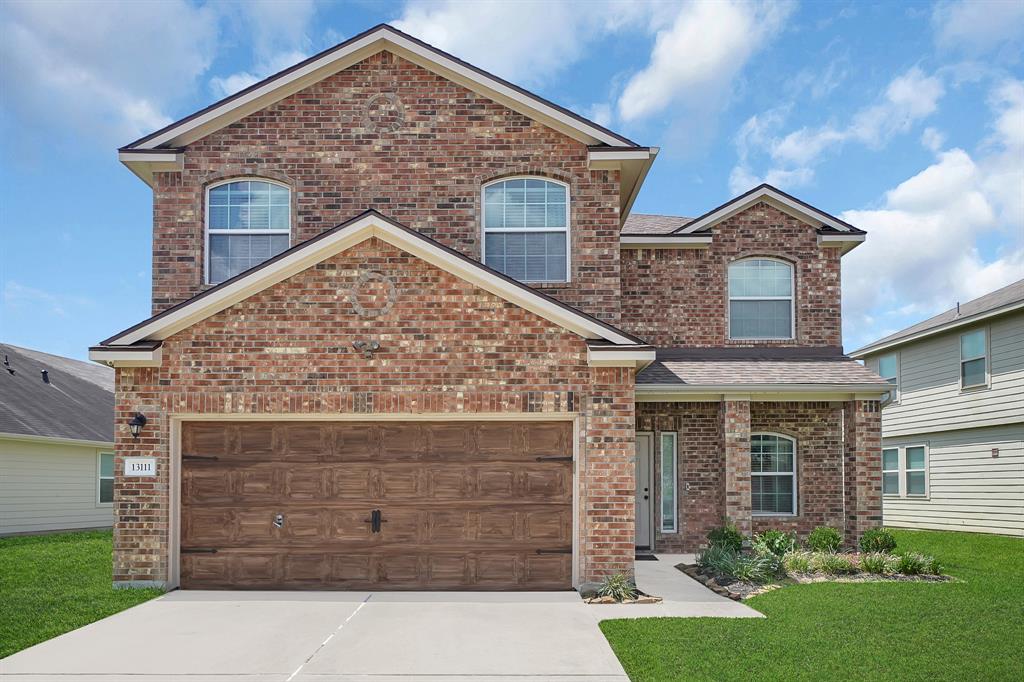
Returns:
(390, 135)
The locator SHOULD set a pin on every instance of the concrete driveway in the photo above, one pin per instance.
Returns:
(307, 637)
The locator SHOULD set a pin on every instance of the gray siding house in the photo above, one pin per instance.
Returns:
(56, 443)
(953, 424)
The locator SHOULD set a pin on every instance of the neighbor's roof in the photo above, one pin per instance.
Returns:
(756, 368)
(77, 404)
(1010, 297)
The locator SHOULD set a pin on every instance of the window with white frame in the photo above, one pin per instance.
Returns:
(890, 471)
(888, 369)
(916, 478)
(105, 475)
(905, 471)
(669, 478)
(772, 474)
(761, 299)
(526, 229)
(247, 222)
(973, 359)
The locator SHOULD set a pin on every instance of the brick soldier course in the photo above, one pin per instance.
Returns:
(395, 132)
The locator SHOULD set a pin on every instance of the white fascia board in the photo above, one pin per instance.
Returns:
(862, 353)
(125, 357)
(382, 38)
(845, 242)
(780, 201)
(612, 159)
(365, 228)
(643, 241)
(26, 438)
(599, 357)
(144, 164)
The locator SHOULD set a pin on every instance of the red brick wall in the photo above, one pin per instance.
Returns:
(446, 347)
(425, 172)
(817, 426)
(863, 420)
(679, 297)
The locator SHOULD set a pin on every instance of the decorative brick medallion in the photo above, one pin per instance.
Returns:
(373, 294)
(384, 112)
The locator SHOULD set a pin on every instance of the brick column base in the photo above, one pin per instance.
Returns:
(736, 436)
(862, 468)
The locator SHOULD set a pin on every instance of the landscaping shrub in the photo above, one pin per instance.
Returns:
(717, 559)
(831, 563)
(726, 536)
(877, 540)
(933, 567)
(753, 568)
(774, 542)
(797, 562)
(618, 587)
(912, 563)
(824, 539)
(875, 562)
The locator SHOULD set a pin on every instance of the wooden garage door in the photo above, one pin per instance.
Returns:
(485, 505)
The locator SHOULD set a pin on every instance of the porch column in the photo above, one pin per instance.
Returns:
(862, 468)
(736, 436)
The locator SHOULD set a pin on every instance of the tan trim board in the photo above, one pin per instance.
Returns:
(638, 241)
(620, 358)
(775, 197)
(127, 357)
(27, 438)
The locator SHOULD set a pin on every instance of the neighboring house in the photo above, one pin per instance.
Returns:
(953, 423)
(406, 334)
(56, 442)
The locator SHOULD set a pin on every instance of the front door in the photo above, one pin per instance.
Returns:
(644, 502)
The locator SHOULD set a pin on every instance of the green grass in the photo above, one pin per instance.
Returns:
(972, 629)
(50, 584)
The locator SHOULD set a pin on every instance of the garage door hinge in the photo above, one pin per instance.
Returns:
(554, 459)
(198, 550)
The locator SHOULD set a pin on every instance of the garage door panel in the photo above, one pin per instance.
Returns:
(463, 506)
(206, 439)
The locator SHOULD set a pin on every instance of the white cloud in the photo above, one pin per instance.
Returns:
(17, 296)
(908, 98)
(925, 247)
(933, 139)
(529, 41)
(229, 85)
(106, 69)
(696, 58)
(978, 26)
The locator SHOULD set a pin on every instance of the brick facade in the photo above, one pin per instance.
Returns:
(424, 170)
(712, 463)
(679, 297)
(287, 350)
(862, 468)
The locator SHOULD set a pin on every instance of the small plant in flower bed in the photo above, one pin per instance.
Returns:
(774, 542)
(618, 587)
(721, 560)
(824, 539)
(797, 561)
(875, 562)
(830, 563)
(726, 536)
(877, 540)
(912, 563)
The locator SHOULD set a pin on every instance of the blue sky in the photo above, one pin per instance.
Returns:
(906, 119)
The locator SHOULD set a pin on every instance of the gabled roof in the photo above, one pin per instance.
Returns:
(143, 339)
(650, 224)
(354, 50)
(999, 302)
(787, 203)
(77, 403)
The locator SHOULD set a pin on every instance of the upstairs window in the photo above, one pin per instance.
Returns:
(247, 222)
(888, 369)
(973, 359)
(760, 299)
(526, 229)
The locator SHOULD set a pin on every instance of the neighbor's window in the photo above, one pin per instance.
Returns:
(888, 369)
(973, 359)
(915, 470)
(772, 474)
(891, 471)
(247, 222)
(760, 299)
(526, 229)
(106, 478)
(668, 483)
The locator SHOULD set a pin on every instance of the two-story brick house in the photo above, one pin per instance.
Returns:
(406, 333)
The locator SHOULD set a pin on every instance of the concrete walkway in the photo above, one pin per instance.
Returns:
(361, 636)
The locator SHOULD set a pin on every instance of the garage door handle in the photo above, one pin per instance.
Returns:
(567, 550)
(554, 459)
(209, 458)
(198, 550)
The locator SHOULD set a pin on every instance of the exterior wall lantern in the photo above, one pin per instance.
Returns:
(136, 424)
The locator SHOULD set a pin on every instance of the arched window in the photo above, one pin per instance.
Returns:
(772, 474)
(526, 229)
(247, 222)
(761, 299)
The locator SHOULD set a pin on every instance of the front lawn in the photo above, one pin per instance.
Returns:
(971, 629)
(50, 584)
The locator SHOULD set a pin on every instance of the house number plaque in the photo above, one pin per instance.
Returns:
(140, 466)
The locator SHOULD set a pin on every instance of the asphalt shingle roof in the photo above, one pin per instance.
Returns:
(1008, 295)
(77, 403)
(643, 223)
(744, 366)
